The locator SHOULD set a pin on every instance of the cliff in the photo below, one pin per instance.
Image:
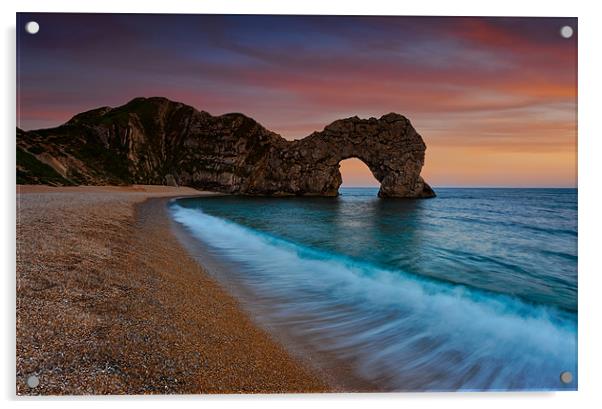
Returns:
(158, 141)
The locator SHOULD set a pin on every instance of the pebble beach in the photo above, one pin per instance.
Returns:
(108, 302)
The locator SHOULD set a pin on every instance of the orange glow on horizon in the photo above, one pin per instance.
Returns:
(478, 167)
(356, 173)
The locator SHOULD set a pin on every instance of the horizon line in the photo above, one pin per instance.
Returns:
(477, 187)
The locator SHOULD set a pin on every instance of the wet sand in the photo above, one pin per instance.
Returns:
(109, 302)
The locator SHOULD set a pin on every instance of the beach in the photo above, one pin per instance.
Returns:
(109, 302)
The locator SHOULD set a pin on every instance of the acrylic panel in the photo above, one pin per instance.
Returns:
(281, 203)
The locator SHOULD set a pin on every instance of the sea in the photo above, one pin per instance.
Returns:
(475, 289)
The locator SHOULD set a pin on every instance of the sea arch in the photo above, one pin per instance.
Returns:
(390, 147)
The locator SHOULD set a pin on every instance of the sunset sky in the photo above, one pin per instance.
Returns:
(495, 99)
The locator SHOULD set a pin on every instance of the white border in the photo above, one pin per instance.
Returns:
(590, 133)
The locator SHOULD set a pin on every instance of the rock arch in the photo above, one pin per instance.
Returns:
(389, 146)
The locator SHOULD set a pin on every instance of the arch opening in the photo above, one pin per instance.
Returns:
(356, 173)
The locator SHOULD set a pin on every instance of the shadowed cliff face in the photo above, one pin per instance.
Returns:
(157, 141)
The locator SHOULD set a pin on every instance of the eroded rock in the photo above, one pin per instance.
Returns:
(158, 141)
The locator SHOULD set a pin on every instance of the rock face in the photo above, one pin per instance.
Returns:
(157, 141)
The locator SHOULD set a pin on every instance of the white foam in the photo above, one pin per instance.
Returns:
(405, 331)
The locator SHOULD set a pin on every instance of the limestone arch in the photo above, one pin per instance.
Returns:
(390, 147)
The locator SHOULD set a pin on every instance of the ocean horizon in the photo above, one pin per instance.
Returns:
(343, 186)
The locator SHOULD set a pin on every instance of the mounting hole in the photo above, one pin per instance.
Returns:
(566, 32)
(33, 381)
(32, 27)
(566, 377)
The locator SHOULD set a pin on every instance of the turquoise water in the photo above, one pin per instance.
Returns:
(475, 289)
